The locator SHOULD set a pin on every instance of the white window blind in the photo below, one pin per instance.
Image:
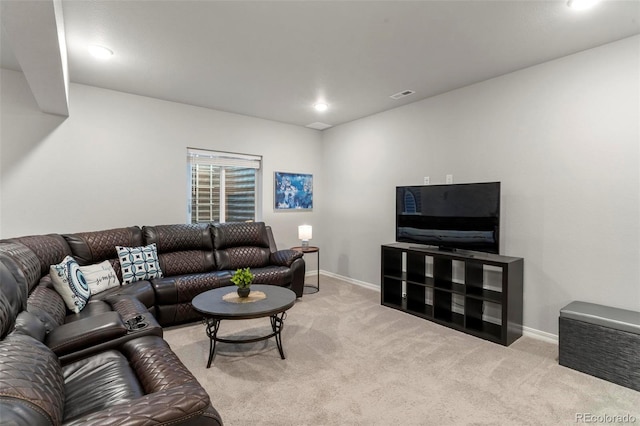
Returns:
(223, 186)
(214, 158)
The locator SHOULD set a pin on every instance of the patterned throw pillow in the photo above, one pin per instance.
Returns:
(70, 283)
(139, 263)
(100, 277)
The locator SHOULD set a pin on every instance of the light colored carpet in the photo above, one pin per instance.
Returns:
(351, 361)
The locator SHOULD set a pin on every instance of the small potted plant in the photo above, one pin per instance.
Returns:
(243, 279)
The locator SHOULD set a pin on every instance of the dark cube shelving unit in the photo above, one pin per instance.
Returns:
(462, 290)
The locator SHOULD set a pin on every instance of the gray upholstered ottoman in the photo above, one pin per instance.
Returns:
(601, 341)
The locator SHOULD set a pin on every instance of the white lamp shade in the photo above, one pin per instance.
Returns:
(305, 232)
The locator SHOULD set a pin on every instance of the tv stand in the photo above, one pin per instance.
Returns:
(474, 292)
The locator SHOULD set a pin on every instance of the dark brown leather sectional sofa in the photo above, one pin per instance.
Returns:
(108, 364)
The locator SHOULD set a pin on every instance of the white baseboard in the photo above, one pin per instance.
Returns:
(351, 280)
(526, 331)
(540, 335)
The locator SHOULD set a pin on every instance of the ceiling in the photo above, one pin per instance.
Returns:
(274, 60)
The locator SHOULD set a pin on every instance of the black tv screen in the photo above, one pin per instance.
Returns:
(460, 216)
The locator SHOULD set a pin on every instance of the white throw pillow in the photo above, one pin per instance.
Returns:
(139, 263)
(70, 283)
(100, 277)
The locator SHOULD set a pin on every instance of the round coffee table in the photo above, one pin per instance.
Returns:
(223, 304)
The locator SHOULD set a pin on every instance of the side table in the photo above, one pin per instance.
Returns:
(311, 249)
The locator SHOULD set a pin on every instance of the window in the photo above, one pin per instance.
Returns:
(223, 186)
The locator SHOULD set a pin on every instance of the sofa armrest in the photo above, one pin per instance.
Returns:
(298, 269)
(141, 290)
(173, 395)
(30, 325)
(84, 333)
(127, 306)
(146, 326)
(285, 257)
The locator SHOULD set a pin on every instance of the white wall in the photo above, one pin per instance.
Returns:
(563, 138)
(120, 160)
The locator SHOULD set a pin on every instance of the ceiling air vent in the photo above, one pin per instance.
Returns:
(402, 94)
(319, 126)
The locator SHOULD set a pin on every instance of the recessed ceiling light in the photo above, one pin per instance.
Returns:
(100, 52)
(582, 4)
(321, 106)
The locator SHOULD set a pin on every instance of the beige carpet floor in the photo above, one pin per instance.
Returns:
(351, 361)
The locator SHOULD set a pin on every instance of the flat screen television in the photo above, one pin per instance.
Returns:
(457, 216)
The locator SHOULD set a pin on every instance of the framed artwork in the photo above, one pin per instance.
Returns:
(293, 191)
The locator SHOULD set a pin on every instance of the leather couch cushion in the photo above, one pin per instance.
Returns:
(11, 299)
(47, 305)
(237, 234)
(173, 397)
(98, 382)
(186, 262)
(242, 257)
(31, 383)
(23, 264)
(184, 288)
(50, 249)
(94, 247)
(183, 248)
(240, 245)
(180, 237)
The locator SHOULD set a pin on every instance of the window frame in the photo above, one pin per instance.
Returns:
(224, 160)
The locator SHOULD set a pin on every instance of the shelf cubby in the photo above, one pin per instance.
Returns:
(392, 291)
(416, 298)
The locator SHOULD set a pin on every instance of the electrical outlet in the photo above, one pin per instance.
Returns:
(426, 180)
(449, 178)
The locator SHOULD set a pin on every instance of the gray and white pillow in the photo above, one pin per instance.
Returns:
(139, 263)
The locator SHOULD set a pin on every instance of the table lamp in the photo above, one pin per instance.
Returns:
(305, 233)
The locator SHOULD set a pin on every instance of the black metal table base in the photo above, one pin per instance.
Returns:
(213, 326)
(310, 289)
